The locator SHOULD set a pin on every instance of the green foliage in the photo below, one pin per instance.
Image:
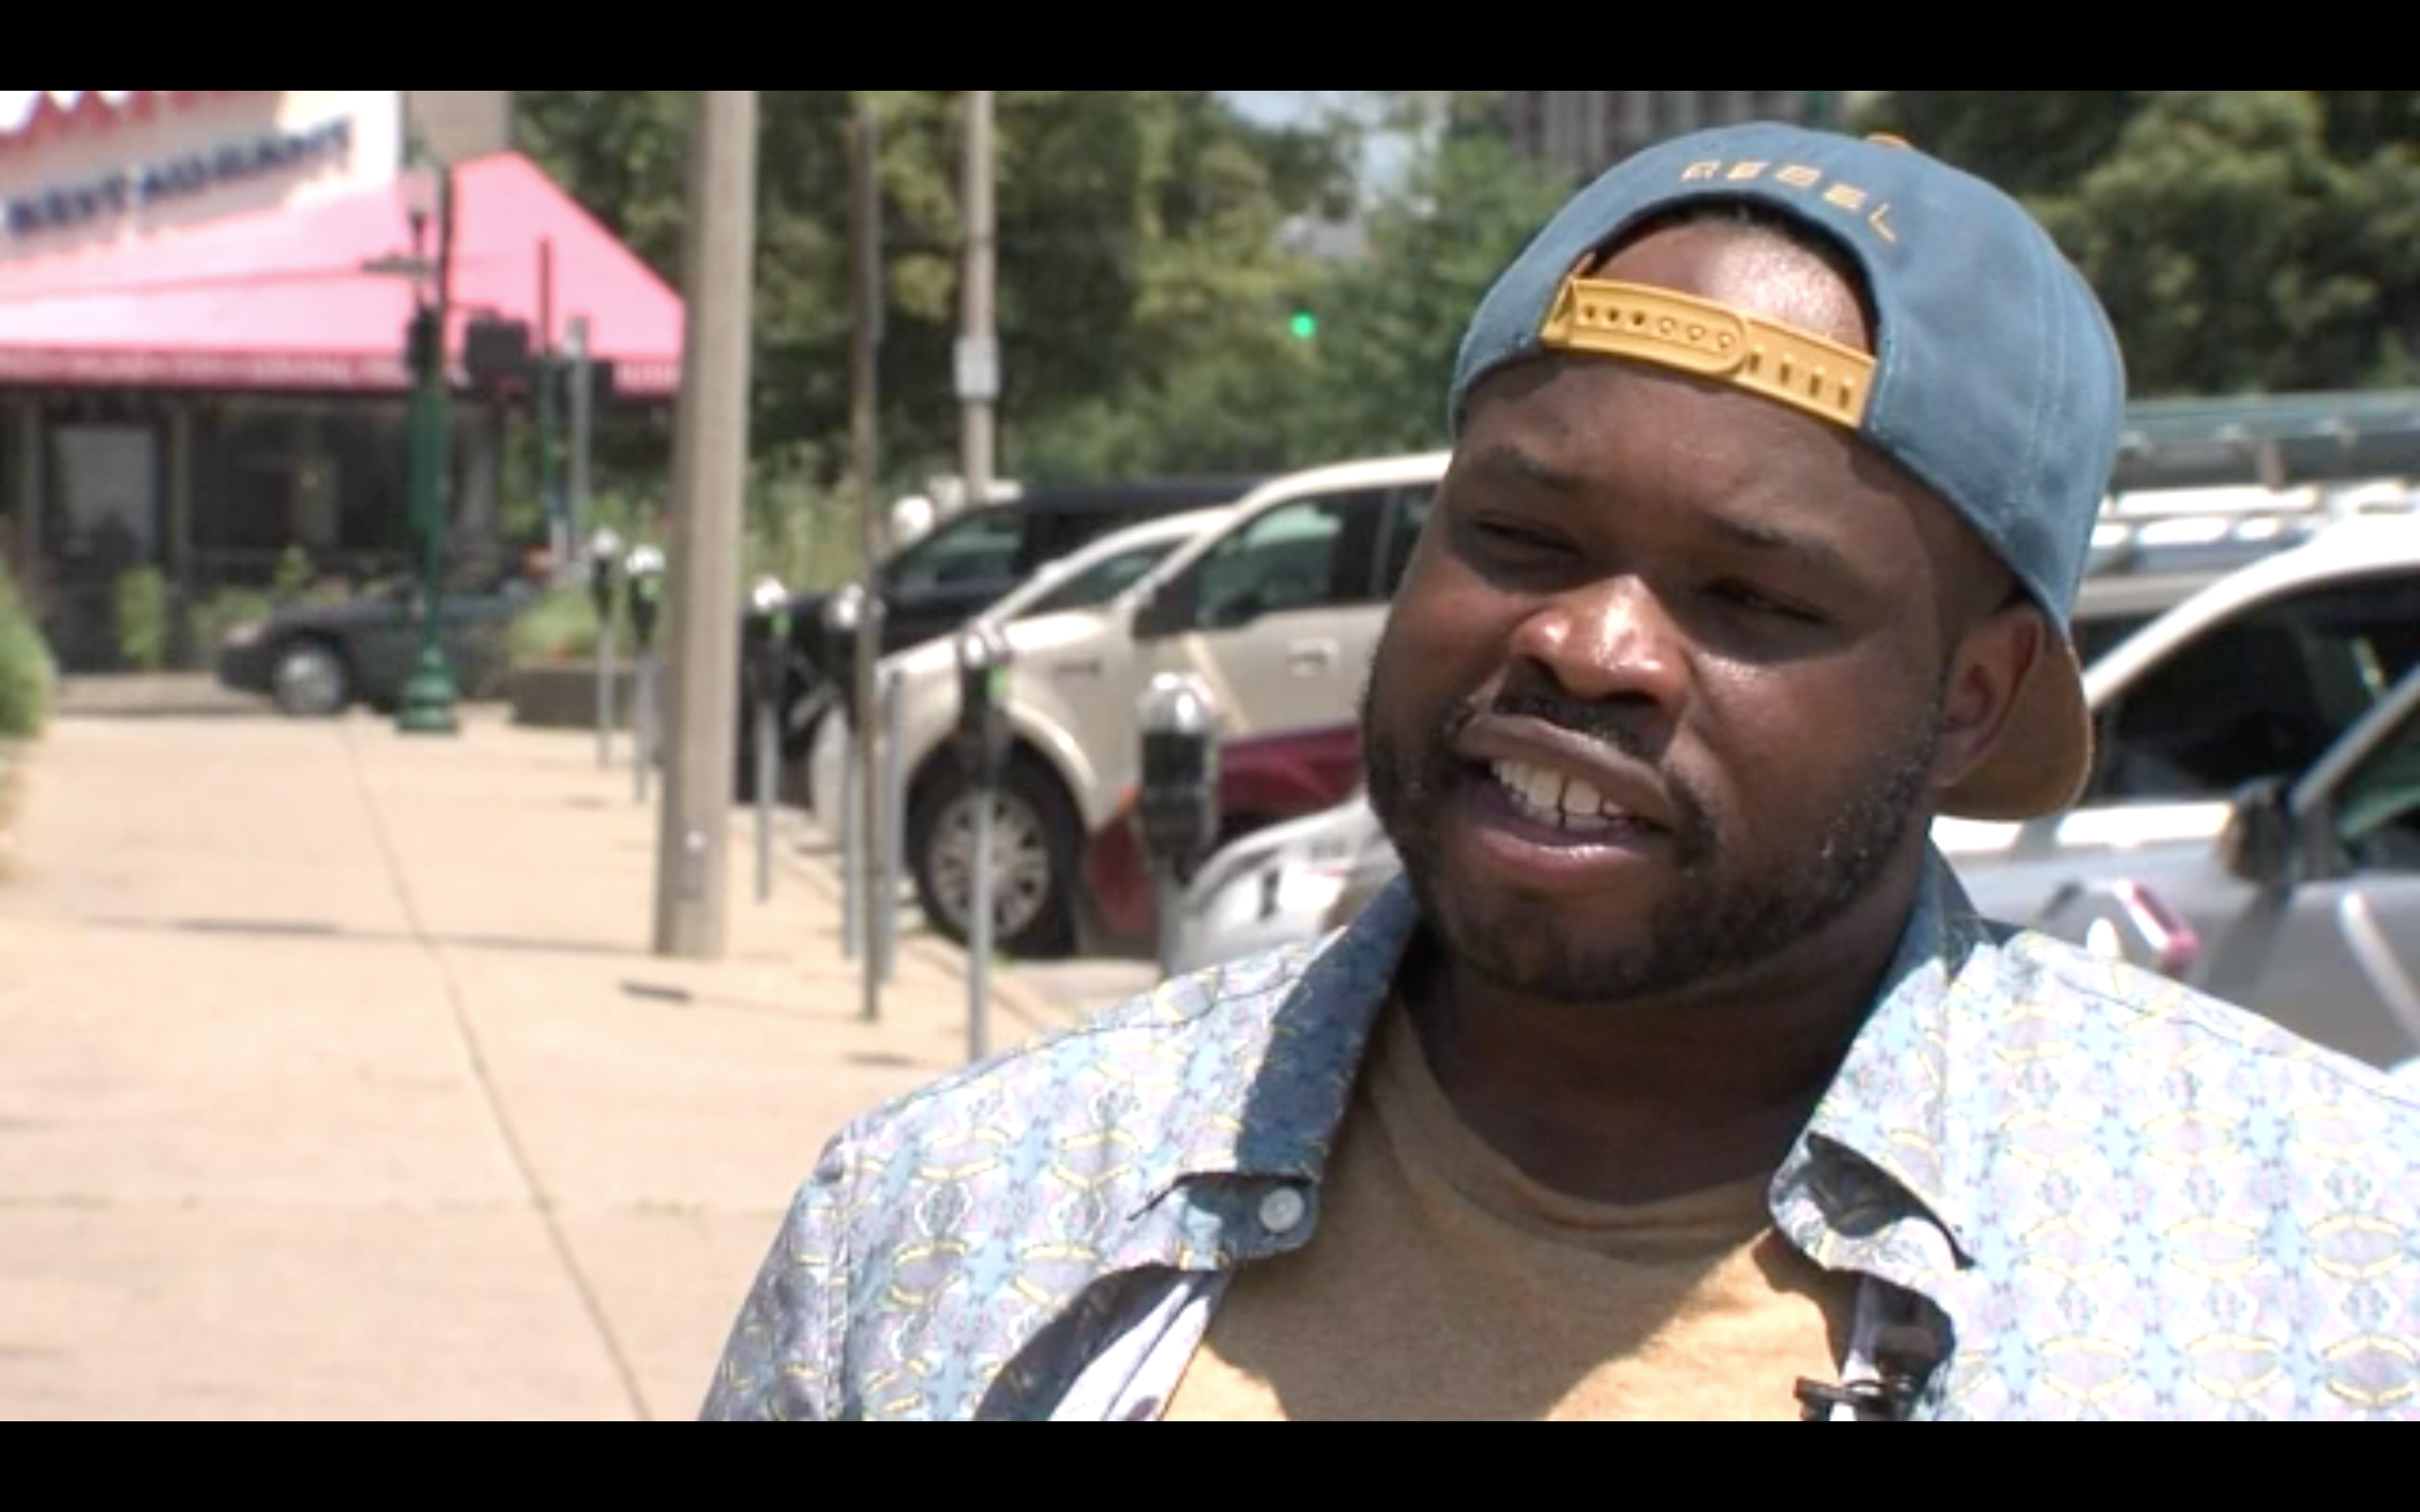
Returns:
(27, 674)
(145, 613)
(214, 617)
(560, 626)
(294, 576)
(2244, 240)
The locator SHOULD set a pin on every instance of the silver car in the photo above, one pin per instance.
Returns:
(2306, 909)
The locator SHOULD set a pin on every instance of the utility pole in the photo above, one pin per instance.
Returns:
(979, 346)
(865, 256)
(709, 476)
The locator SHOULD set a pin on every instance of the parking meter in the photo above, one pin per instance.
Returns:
(980, 744)
(604, 559)
(844, 615)
(767, 662)
(1178, 805)
(644, 572)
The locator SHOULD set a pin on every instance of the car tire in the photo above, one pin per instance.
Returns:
(308, 679)
(1037, 843)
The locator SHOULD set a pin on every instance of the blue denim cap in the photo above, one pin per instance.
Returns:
(1995, 380)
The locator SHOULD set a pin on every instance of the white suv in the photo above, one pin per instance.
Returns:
(1278, 608)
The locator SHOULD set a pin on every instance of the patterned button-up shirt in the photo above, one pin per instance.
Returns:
(2070, 1190)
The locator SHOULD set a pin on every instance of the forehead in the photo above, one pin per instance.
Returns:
(1752, 265)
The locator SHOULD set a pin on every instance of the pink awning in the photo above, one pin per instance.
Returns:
(281, 300)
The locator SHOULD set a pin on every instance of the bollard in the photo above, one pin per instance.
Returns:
(645, 573)
(982, 745)
(1179, 804)
(604, 555)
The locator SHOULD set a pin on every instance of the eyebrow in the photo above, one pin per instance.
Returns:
(1505, 460)
(1821, 556)
(1511, 463)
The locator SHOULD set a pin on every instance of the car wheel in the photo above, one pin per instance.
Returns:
(1035, 840)
(310, 681)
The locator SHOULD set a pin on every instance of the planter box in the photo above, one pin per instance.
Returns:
(563, 696)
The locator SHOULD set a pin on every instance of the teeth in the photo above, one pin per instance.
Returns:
(1552, 799)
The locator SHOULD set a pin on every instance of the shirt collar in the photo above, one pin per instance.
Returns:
(1304, 1028)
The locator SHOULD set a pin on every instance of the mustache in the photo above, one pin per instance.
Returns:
(1602, 723)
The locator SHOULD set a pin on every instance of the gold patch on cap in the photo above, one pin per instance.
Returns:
(1885, 139)
(1711, 340)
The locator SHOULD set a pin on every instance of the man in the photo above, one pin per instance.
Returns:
(1677, 1080)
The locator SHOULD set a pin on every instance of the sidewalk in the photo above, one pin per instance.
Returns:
(337, 1080)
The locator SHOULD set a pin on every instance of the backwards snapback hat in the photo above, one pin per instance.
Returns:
(1996, 379)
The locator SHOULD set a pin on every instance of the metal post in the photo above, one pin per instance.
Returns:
(865, 241)
(583, 425)
(1167, 911)
(893, 839)
(979, 904)
(605, 712)
(428, 698)
(769, 755)
(549, 422)
(709, 479)
(853, 858)
(979, 352)
(643, 724)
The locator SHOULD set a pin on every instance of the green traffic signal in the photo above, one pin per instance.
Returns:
(1305, 325)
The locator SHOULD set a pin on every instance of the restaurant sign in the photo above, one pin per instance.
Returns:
(128, 191)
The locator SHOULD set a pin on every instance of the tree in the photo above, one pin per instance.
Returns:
(2244, 240)
(1392, 327)
(1137, 255)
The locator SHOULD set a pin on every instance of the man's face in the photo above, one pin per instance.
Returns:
(1662, 694)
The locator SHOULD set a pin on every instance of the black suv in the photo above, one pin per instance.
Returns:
(941, 581)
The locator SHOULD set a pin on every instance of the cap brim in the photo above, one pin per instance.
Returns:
(2044, 758)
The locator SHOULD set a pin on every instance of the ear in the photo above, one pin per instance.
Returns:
(1986, 670)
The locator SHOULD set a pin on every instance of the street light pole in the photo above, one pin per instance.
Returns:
(428, 700)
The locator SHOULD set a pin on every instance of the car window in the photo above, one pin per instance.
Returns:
(1311, 553)
(982, 547)
(1103, 580)
(2377, 811)
(2264, 695)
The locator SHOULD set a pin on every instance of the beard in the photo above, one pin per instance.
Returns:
(1727, 914)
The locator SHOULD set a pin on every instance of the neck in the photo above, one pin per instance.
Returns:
(1636, 1102)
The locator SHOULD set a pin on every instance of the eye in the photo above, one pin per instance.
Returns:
(1754, 600)
(1512, 537)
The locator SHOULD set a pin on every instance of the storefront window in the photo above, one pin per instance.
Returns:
(326, 478)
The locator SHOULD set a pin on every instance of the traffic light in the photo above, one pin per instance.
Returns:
(1304, 324)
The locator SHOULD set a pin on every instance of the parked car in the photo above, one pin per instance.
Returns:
(2200, 681)
(1277, 610)
(2304, 908)
(1036, 837)
(316, 660)
(945, 577)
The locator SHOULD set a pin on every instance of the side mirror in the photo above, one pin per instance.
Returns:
(1167, 609)
(2261, 843)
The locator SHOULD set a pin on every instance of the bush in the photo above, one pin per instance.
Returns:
(144, 619)
(562, 627)
(222, 612)
(26, 674)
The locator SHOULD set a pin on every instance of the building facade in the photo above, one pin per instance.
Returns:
(1585, 132)
(203, 302)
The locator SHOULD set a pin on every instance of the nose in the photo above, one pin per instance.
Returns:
(1610, 641)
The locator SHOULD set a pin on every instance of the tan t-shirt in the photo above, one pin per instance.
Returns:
(1446, 1285)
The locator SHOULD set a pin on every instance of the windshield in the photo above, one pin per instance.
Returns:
(1095, 585)
(980, 546)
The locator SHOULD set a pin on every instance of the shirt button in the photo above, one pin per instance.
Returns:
(1282, 1210)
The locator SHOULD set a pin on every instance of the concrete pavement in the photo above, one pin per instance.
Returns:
(338, 1081)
